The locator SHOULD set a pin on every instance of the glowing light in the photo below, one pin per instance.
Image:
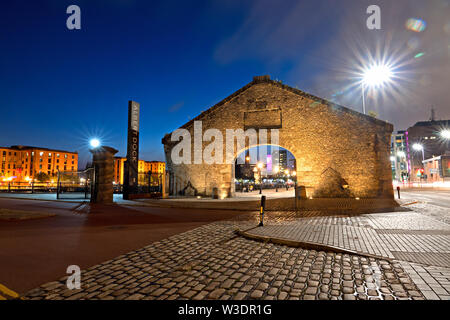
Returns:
(392, 158)
(276, 169)
(401, 154)
(416, 25)
(417, 147)
(420, 54)
(445, 134)
(260, 165)
(377, 75)
(95, 143)
(294, 173)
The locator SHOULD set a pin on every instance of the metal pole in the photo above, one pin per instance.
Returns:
(260, 181)
(58, 186)
(261, 212)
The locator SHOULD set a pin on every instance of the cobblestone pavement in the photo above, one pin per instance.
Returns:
(210, 262)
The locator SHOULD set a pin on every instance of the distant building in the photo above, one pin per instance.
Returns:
(23, 163)
(428, 135)
(282, 159)
(143, 167)
(399, 161)
(437, 169)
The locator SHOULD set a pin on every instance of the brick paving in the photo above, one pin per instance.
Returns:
(407, 236)
(433, 282)
(212, 262)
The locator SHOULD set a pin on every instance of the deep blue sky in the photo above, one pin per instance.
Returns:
(177, 58)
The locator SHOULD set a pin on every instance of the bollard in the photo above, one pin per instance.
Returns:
(398, 191)
(261, 212)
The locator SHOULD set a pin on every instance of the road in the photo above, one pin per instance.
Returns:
(439, 198)
(35, 251)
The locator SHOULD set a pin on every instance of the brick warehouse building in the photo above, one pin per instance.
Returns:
(22, 163)
(339, 152)
(143, 167)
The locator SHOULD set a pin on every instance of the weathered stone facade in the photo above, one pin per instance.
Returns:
(339, 152)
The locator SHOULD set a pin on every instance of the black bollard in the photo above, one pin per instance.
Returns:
(398, 191)
(261, 212)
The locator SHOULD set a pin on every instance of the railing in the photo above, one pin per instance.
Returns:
(148, 183)
(27, 187)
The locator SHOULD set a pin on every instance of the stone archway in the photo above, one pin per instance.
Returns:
(327, 141)
(278, 167)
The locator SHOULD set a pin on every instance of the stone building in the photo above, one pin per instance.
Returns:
(339, 152)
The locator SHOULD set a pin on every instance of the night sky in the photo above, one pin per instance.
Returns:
(60, 87)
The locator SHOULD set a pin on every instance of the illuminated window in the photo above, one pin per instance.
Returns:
(41, 153)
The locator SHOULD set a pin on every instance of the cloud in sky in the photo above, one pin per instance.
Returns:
(328, 40)
(176, 107)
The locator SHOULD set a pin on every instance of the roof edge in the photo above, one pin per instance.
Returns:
(266, 79)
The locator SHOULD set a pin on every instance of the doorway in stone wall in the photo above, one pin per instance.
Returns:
(265, 169)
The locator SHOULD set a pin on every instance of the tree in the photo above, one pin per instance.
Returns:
(42, 177)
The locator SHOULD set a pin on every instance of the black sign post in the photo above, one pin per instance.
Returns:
(130, 185)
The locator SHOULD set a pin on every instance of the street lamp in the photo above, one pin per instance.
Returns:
(259, 167)
(445, 134)
(375, 76)
(419, 147)
(95, 143)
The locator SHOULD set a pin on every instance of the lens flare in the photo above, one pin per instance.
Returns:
(416, 25)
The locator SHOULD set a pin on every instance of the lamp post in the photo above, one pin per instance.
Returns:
(376, 76)
(276, 170)
(260, 166)
(419, 147)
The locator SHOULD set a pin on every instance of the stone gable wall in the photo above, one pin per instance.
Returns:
(321, 137)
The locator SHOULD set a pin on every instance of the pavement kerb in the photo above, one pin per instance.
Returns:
(410, 203)
(305, 245)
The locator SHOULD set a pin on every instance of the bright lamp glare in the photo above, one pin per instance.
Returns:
(417, 147)
(445, 134)
(95, 143)
(377, 75)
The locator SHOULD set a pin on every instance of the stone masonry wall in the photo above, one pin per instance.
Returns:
(329, 142)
